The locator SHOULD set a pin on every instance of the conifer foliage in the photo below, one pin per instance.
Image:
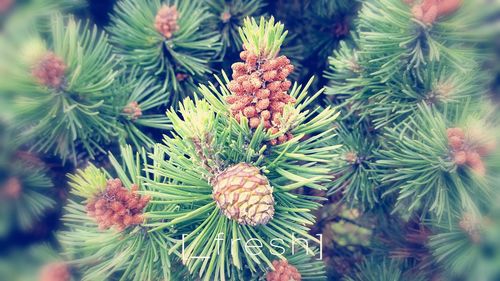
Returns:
(416, 134)
(203, 193)
(169, 40)
(187, 140)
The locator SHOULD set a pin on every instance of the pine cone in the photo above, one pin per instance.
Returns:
(49, 71)
(283, 272)
(118, 206)
(244, 195)
(58, 271)
(166, 21)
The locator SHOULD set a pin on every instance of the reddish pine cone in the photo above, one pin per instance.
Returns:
(166, 21)
(12, 189)
(118, 206)
(133, 110)
(283, 272)
(58, 271)
(244, 195)
(259, 89)
(428, 11)
(49, 70)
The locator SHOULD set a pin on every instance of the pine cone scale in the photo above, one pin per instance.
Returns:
(244, 195)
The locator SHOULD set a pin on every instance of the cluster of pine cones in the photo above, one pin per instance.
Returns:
(259, 91)
(49, 71)
(118, 206)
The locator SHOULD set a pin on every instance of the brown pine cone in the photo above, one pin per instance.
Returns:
(243, 194)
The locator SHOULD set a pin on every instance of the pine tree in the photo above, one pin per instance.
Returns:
(90, 96)
(202, 190)
(190, 154)
(59, 88)
(417, 135)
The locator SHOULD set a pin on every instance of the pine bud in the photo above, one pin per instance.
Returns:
(471, 225)
(5, 5)
(283, 271)
(476, 163)
(455, 142)
(250, 111)
(263, 93)
(430, 15)
(12, 189)
(265, 114)
(460, 157)
(351, 157)
(262, 104)
(225, 17)
(455, 132)
(49, 71)
(58, 271)
(133, 110)
(254, 122)
(446, 7)
(428, 11)
(243, 194)
(181, 76)
(117, 206)
(166, 21)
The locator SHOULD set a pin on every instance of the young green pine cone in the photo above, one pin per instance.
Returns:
(244, 195)
(283, 272)
(49, 70)
(58, 271)
(166, 21)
